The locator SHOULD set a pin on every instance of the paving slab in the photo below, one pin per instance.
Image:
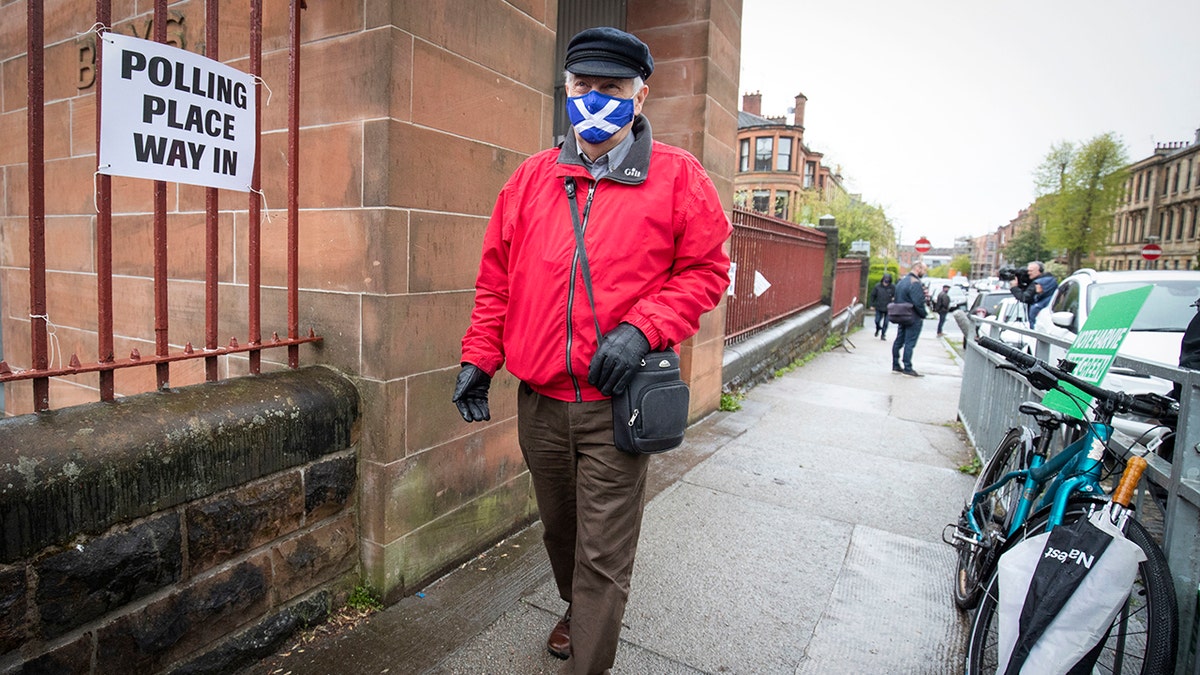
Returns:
(887, 613)
(798, 535)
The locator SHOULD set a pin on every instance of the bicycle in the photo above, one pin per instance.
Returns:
(1005, 510)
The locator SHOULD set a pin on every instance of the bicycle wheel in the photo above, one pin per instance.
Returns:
(975, 563)
(1144, 635)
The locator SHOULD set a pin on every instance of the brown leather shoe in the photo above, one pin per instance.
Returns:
(559, 643)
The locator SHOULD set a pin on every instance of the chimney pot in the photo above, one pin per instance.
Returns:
(752, 103)
(801, 99)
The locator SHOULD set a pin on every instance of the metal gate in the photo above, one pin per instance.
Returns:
(40, 366)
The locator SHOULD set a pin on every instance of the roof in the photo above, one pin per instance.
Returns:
(746, 119)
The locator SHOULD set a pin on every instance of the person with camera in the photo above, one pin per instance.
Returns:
(1035, 289)
(654, 232)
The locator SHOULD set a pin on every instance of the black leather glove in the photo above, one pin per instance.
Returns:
(471, 393)
(617, 359)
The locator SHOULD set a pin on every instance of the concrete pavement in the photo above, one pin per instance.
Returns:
(799, 535)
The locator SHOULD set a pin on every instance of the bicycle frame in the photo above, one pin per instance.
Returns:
(1072, 471)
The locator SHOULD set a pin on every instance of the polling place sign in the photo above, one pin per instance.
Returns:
(168, 114)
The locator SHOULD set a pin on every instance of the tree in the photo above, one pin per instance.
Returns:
(1051, 176)
(1027, 245)
(855, 220)
(1080, 187)
(939, 272)
(961, 264)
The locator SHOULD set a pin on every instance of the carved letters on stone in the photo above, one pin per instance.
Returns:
(177, 36)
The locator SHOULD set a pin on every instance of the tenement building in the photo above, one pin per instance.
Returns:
(774, 165)
(987, 251)
(1161, 206)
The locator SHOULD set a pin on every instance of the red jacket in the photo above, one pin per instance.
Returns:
(655, 236)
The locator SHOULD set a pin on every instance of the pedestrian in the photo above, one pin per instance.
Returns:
(654, 231)
(881, 294)
(909, 289)
(1038, 292)
(1189, 349)
(942, 307)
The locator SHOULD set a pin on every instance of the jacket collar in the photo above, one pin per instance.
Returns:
(633, 169)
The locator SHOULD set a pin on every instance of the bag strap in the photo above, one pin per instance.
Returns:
(569, 184)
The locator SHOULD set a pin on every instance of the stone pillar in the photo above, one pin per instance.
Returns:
(693, 104)
(435, 489)
(865, 272)
(828, 225)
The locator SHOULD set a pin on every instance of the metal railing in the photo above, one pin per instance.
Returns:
(987, 408)
(779, 268)
(846, 282)
(40, 368)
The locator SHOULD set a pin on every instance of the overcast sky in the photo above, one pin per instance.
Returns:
(940, 110)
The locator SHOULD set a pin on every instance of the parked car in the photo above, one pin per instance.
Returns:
(958, 292)
(1012, 311)
(1156, 332)
(1008, 310)
(986, 302)
(989, 284)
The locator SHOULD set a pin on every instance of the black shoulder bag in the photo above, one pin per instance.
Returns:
(650, 416)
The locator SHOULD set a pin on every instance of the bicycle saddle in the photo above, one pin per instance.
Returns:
(1045, 417)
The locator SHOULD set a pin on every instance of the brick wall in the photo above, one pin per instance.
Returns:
(194, 529)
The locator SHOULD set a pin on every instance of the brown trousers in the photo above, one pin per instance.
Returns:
(590, 498)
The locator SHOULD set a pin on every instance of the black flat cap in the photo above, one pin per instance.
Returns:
(608, 52)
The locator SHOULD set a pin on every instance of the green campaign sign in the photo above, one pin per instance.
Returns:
(1096, 345)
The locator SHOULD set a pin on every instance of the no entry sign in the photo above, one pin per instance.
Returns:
(1151, 251)
(923, 245)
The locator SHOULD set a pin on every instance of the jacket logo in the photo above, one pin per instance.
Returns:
(631, 171)
(664, 364)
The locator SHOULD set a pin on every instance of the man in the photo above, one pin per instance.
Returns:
(909, 289)
(942, 307)
(1038, 292)
(1189, 349)
(654, 237)
(882, 294)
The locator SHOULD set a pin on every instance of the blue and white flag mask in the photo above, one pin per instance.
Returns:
(596, 117)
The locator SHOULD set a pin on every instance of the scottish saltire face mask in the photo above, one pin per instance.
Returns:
(596, 117)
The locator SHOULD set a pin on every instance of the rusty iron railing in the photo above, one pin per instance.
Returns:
(40, 368)
(785, 259)
(846, 282)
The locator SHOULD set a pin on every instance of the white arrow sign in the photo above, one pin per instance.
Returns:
(760, 283)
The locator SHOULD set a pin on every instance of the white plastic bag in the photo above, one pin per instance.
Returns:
(1085, 618)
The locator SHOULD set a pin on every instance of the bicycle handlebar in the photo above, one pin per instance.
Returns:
(1037, 372)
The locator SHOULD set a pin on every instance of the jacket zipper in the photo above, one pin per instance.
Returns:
(571, 294)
